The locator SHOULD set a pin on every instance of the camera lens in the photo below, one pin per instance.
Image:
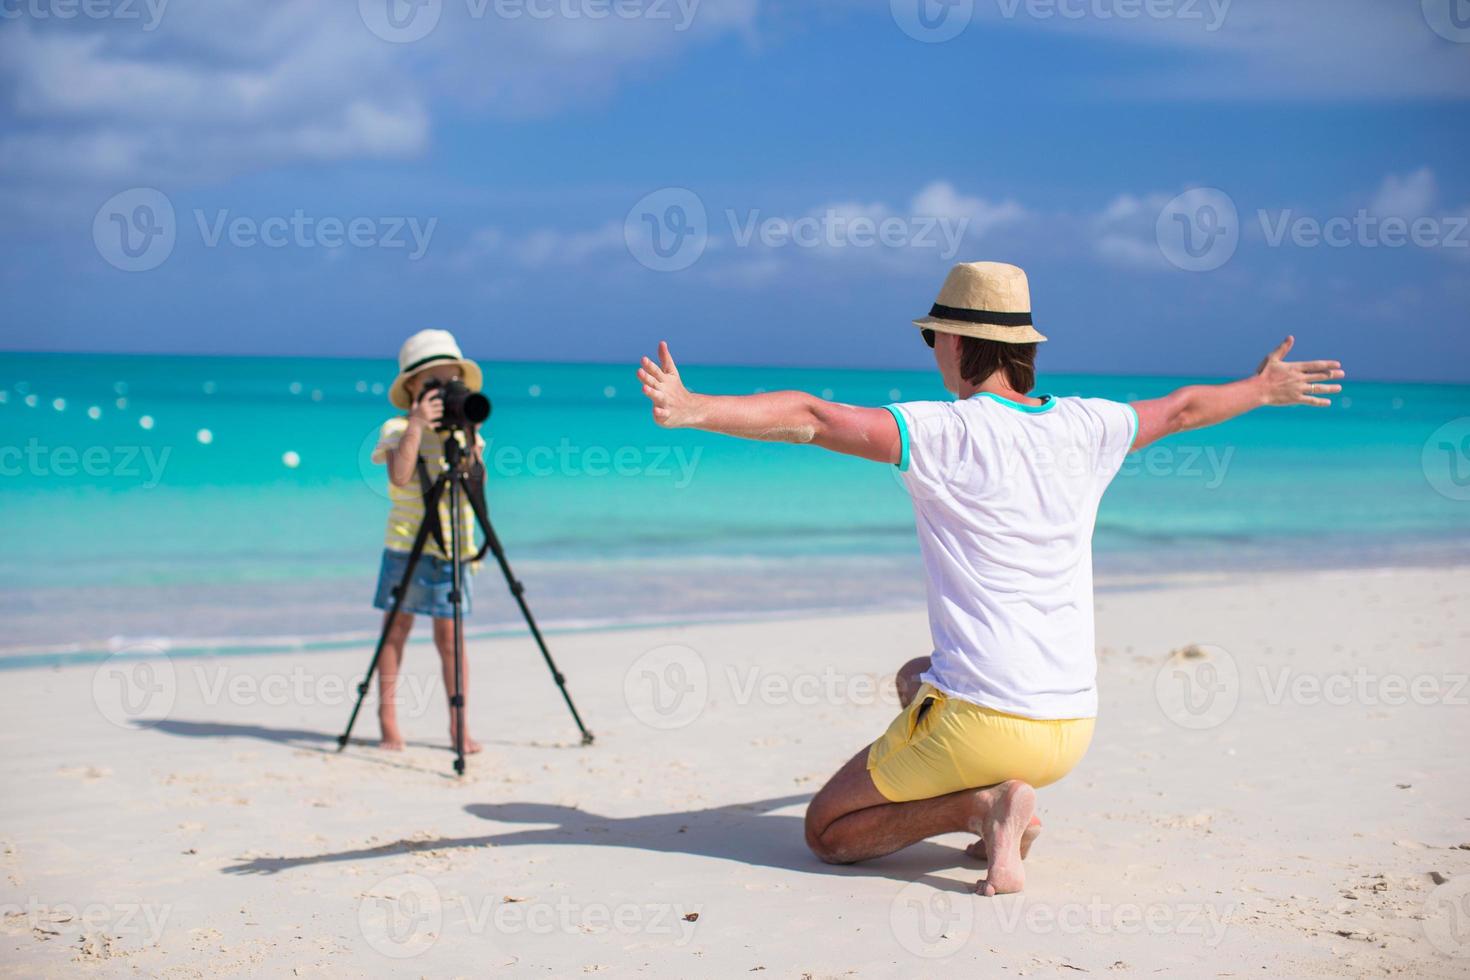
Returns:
(476, 407)
(462, 407)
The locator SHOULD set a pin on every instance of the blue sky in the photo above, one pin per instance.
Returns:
(532, 146)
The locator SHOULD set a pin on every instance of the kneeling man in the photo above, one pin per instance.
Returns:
(1005, 487)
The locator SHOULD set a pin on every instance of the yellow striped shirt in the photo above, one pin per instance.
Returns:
(406, 510)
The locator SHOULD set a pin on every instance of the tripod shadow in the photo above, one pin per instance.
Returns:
(300, 739)
(746, 833)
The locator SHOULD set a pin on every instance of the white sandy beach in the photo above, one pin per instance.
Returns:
(1290, 820)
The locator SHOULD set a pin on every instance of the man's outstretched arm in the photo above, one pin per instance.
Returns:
(778, 416)
(1276, 382)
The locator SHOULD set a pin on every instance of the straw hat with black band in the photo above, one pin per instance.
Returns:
(427, 349)
(988, 300)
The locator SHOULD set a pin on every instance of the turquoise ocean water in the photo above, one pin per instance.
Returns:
(117, 534)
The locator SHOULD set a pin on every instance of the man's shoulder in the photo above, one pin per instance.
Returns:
(921, 410)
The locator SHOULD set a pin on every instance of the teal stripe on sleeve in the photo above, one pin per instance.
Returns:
(903, 437)
(1136, 423)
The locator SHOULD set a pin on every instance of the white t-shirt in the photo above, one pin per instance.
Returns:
(1005, 497)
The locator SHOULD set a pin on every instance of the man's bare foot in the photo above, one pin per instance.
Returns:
(1001, 817)
(391, 740)
(1033, 831)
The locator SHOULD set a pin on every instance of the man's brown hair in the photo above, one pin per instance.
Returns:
(979, 359)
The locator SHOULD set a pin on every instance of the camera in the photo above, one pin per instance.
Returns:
(462, 408)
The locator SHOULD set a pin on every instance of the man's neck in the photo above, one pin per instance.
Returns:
(996, 385)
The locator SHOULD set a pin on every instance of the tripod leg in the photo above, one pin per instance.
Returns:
(431, 500)
(518, 590)
(456, 598)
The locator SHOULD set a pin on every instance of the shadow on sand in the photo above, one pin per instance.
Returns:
(746, 833)
(305, 740)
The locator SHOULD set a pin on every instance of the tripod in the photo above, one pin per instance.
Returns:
(456, 480)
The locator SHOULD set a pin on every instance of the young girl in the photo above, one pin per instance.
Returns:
(427, 355)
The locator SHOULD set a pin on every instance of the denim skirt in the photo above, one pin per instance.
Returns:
(428, 591)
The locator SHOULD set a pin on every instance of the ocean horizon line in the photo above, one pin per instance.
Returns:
(389, 359)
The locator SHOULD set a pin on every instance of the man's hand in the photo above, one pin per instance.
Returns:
(673, 404)
(772, 416)
(1297, 382)
(1276, 382)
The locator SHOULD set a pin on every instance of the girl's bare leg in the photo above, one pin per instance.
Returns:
(444, 641)
(388, 665)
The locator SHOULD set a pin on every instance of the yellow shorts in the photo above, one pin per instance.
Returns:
(938, 745)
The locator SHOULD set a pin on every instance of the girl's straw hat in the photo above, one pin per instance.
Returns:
(989, 300)
(426, 349)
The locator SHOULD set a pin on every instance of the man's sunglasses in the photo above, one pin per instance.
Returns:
(929, 336)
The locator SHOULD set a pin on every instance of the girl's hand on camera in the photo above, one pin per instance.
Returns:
(428, 408)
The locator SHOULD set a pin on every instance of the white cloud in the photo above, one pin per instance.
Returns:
(941, 200)
(751, 246)
(231, 86)
(1410, 196)
(1329, 50)
(1123, 233)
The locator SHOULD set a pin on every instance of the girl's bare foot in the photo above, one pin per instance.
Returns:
(1033, 831)
(1001, 816)
(470, 745)
(391, 740)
